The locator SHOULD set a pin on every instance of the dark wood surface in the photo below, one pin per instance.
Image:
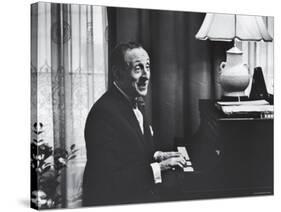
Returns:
(231, 157)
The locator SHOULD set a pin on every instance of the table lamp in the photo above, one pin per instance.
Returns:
(234, 76)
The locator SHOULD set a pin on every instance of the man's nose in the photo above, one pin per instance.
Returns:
(145, 72)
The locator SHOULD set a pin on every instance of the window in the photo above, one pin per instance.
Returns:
(260, 54)
(68, 74)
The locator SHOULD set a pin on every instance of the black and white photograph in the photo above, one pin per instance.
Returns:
(133, 105)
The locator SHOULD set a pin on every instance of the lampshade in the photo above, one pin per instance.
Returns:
(227, 27)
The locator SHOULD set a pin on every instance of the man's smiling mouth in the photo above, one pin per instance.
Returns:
(142, 82)
(142, 85)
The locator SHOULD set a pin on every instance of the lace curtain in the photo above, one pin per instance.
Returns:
(68, 74)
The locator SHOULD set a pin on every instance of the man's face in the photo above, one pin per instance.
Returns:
(135, 79)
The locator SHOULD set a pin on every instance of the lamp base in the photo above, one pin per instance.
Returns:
(234, 75)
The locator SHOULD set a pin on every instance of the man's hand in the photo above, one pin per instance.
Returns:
(160, 156)
(172, 162)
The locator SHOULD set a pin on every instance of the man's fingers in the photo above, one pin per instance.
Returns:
(180, 165)
(176, 159)
(182, 161)
(176, 162)
(181, 158)
(175, 153)
(172, 154)
(179, 161)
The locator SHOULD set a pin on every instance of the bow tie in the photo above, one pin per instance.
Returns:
(138, 102)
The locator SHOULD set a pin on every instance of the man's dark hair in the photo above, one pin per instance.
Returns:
(117, 60)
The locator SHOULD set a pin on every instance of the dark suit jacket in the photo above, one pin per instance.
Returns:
(118, 154)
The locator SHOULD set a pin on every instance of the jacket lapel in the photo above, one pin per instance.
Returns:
(128, 113)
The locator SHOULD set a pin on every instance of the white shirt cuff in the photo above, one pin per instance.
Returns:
(156, 172)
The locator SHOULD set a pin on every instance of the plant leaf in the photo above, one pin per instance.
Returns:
(72, 146)
(74, 151)
(72, 157)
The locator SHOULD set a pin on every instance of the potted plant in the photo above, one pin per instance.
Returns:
(47, 165)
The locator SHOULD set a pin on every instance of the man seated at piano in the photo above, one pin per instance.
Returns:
(123, 165)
